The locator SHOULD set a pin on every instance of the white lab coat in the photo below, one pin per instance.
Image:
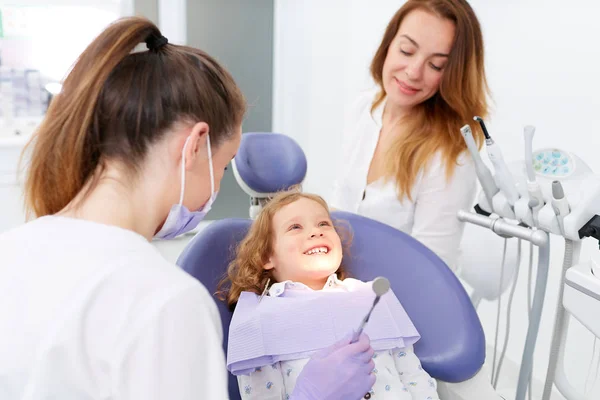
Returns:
(431, 216)
(91, 311)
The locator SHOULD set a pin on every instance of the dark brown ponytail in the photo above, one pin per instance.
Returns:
(115, 102)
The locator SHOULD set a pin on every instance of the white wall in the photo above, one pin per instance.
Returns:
(50, 35)
(542, 59)
(172, 20)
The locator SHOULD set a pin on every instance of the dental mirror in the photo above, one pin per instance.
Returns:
(380, 286)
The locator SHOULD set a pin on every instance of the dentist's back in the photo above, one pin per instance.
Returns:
(87, 311)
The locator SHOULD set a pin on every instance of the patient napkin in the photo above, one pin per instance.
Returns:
(298, 324)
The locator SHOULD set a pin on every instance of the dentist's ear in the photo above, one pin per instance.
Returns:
(196, 150)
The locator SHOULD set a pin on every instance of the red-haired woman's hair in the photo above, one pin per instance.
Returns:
(434, 126)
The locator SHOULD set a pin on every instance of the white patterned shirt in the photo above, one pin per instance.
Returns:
(398, 371)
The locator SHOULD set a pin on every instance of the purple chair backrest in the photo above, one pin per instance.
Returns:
(452, 345)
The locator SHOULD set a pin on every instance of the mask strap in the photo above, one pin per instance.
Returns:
(183, 171)
(210, 166)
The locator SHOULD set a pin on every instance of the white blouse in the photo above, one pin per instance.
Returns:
(431, 217)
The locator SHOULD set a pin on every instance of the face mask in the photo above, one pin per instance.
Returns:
(181, 220)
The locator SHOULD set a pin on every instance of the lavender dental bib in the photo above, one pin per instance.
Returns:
(298, 323)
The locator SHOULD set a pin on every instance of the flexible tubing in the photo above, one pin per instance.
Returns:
(534, 325)
(529, 281)
(558, 323)
(508, 308)
(498, 313)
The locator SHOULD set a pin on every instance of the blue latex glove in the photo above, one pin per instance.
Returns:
(342, 371)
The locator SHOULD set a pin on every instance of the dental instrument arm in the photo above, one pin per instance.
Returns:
(555, 373)
(483, 173)
(560, 205)
(503, 228)
(528, 133)
(503, 178)
(536, 199)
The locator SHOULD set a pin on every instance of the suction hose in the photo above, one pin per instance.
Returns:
(534, 325)
(558, 323)
(540, 239)
(508, 315)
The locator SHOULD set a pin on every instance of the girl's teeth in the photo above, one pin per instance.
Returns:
(317, 250)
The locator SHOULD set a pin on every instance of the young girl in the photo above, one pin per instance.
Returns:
(292, 297)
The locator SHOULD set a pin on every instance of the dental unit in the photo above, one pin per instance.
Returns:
(551, 192)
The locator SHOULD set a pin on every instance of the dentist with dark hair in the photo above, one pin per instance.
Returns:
(133, 148)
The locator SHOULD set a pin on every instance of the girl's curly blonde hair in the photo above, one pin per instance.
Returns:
(246, 273)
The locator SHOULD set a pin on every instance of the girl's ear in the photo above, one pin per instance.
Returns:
(269, 265)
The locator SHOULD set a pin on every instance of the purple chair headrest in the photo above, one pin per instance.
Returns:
(267, 163)
(452, 345)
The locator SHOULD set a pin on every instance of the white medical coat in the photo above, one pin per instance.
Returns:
(91, 311)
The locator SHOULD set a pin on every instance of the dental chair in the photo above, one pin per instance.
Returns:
(265, 164)
(452, 344)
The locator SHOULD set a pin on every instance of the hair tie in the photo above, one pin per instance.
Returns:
(154, 42)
